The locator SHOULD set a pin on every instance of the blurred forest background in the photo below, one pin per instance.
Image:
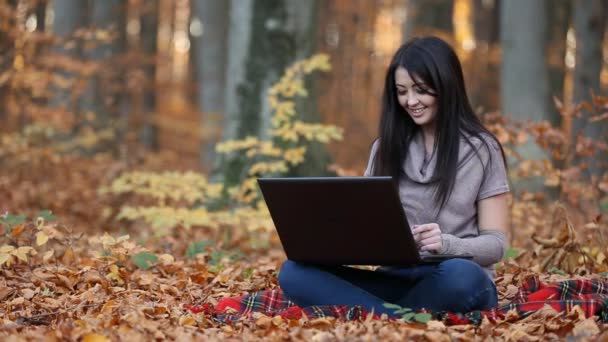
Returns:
(162, 84)
(181, 75)
(146, 118)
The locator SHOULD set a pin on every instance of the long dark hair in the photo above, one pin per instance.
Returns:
(432, 61)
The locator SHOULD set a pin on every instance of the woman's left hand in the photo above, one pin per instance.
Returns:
(428, 237)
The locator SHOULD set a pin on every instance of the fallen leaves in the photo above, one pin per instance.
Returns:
(99, 293)
(63, 283)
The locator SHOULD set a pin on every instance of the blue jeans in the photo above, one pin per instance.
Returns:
(455, 285)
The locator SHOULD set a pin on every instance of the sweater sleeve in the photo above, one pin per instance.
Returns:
(487, 249)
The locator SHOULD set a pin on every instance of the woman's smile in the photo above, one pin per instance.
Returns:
(417, 112)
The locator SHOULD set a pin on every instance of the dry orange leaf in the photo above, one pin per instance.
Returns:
(92, 337)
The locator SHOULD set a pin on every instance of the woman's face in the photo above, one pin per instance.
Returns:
(416, 98)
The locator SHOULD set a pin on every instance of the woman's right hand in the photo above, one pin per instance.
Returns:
(428, 237)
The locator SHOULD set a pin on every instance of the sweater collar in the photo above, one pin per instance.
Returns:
(417, 167)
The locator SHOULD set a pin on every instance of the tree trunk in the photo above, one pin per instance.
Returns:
(69, 16)
(589, 25)
(302, 16)
(149, 30)
(105, 15)
(263, 42)
(524, 75)
(428, 17)
(524, 83)
(209, 57)
(7, 46)
(559, 13)
(483, 75)
(40, 12)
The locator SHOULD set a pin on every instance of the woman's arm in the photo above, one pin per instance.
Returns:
(493, 213)
(493, 221)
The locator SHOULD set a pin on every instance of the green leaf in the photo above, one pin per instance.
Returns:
(423, 317)
(198, 247)
(47, 215)
(402, 311)
(144, 260)
(216, 268)
(391, 306)
(248, 273)
(216, 256)
(511, 253)
(236, 255)
(604, 206)
(9, 221)
(12, 220)
(408, 316)
(555, 270)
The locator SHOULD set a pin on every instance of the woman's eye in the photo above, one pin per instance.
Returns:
(401, 92)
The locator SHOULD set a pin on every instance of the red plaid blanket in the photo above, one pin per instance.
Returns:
(590, 295)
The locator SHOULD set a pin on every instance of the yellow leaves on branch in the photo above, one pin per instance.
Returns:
(236, 145)
(246, 192)
(291, 82)
(309, 131)
(285, 128)
(295, 156)
(264, 148)
(271, 156)
(284, 111)
(268, 167)
(168, 217)
(187, 186)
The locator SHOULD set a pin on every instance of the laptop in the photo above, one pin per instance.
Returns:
(342, 221)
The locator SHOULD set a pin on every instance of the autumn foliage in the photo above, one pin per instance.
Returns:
(98, 244)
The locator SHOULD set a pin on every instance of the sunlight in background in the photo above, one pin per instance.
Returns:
(387, 32)
(181, 41)
(196, 27)
(174, 53)
(464, 32)
(570, 59)
(568, 87)
(31, 23)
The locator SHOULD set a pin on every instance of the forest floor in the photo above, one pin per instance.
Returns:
(74, 274)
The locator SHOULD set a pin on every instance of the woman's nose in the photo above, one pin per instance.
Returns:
(411, 100)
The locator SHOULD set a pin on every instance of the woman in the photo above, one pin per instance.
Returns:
(452, 182)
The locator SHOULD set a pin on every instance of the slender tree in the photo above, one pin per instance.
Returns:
(524, 80)
(265, 37)
(428, 17)
(209, 30)
(484, 69)
(40, 12)
(149, 32)
(105, 15)
(302, 16)
(69, 15)
(559, 14)
(7, 45)
(589, 26)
